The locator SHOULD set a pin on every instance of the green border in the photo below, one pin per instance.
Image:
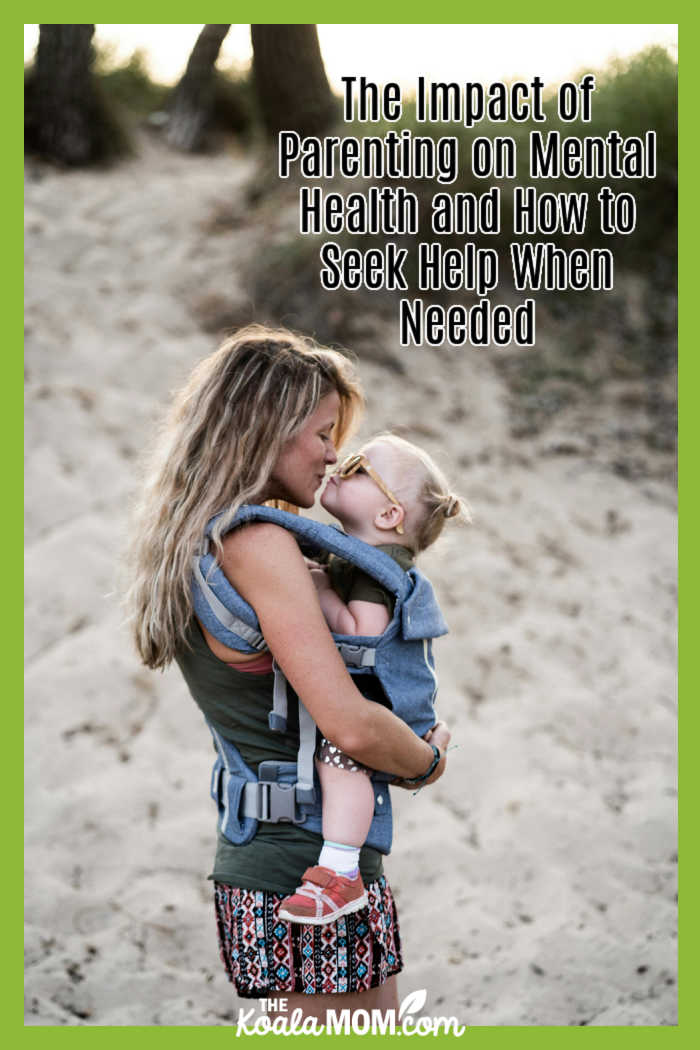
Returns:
(450, 11)
(540, 1036)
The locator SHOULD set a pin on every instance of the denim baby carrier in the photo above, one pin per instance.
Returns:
(401, 660)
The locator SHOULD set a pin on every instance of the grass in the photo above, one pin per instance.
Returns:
(125, 95)
(129, 85)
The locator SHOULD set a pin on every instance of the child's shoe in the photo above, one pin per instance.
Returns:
(323, 897)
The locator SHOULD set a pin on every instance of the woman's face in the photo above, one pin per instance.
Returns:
(301, 466)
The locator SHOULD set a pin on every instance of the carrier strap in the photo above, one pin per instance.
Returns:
(352, 655)
(277, 718)
(321, 537)
(305, 756)
(224, 615)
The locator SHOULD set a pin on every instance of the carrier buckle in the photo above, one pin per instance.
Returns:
(356, 655)
(276, 803)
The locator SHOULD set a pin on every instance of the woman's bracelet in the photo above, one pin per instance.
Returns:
(424, 776)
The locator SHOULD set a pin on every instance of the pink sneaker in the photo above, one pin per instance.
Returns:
(323, 897)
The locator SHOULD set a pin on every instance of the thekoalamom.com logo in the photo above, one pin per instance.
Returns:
(408, 1021)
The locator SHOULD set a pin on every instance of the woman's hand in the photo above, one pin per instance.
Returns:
(440, 736)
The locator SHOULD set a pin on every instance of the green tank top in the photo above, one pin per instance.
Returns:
(237, 704)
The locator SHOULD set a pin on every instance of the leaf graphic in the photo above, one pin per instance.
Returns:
(413, 1002)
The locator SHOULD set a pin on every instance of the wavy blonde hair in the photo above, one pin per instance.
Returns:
(216, 450)
(423, 490)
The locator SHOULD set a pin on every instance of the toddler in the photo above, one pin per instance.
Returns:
(392, 496)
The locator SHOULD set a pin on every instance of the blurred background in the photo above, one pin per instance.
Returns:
(155, 223)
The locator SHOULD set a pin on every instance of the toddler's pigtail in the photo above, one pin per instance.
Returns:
(439, 505)
(453, 506)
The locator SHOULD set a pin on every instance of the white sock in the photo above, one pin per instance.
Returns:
(344, 860)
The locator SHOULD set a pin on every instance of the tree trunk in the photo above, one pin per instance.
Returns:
(64, 94)
(290, 79)
(194, 94)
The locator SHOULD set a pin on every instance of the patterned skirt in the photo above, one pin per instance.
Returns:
(265, 956)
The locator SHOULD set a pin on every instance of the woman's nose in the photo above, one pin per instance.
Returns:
(331, 454)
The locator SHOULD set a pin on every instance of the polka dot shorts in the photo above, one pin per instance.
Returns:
(333, 756)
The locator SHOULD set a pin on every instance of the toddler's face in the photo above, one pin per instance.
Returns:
(357, 500)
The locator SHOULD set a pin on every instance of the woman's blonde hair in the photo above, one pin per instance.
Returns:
(423, 490)
(217, 449)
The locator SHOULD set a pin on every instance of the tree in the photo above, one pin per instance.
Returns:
(194, 95)
(67, 118)
(62, 94)
(290, 79)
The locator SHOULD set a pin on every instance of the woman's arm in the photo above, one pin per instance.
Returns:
(265, 565)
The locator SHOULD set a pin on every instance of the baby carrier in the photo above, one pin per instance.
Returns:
(400, 658)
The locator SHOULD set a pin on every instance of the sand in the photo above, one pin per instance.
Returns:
(537, 880)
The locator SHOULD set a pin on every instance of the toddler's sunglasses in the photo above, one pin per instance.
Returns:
(359, 462)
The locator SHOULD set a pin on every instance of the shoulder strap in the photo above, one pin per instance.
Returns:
(208, 604)
(322, 537)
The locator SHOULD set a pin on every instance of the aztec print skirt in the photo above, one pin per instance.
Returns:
(265, 956)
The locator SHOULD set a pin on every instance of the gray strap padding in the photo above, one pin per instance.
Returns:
(305, 755)
(278, 715)
(307, 734)
(227, 772)
(249, 801)
(225, 617)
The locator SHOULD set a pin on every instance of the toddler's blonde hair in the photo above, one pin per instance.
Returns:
(423, 490)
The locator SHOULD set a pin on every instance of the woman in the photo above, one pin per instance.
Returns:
(259, 420)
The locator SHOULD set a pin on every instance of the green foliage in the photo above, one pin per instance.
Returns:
(129, 84)
(638, 94)
(631, 97)
(235, 103)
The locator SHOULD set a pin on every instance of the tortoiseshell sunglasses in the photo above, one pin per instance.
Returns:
(358, 461)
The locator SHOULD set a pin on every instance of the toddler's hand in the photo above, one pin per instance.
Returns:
(320, 579)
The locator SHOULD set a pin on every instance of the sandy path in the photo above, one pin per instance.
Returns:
(553, 834)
